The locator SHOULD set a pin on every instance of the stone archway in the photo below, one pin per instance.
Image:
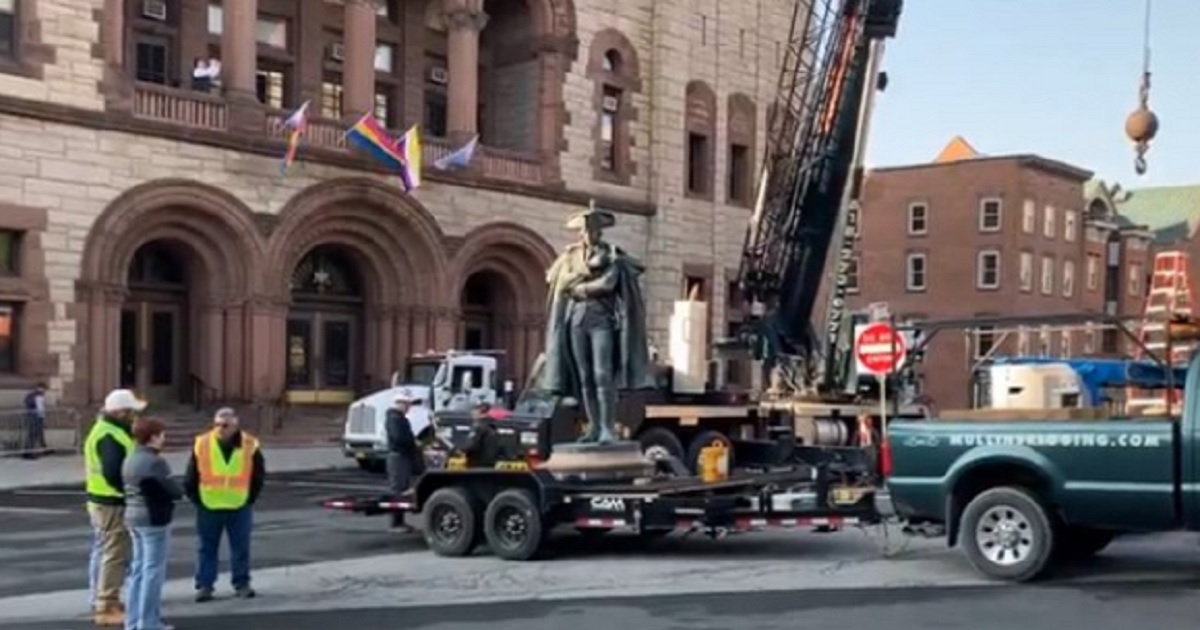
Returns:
(499, 272)
(391, 249)
(164, 259)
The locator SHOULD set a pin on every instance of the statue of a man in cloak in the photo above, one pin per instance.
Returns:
(596, 343)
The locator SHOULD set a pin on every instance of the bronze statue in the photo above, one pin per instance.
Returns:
(596, 343)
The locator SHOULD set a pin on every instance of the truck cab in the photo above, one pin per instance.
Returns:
(452, 381)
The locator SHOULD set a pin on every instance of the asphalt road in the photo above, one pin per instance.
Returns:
(1107, 607)
(44, 532)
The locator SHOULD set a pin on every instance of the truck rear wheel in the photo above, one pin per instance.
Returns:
(705, 440)
(659, 443)
(1007, 534)
(451, 523)
(513, 525)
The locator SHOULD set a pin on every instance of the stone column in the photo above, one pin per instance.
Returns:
(401, 339)
(358, 69)
(104, 333)
(210, 346)
(265, 334)
(239, 64)
(235, 359)
(113, 32)
(464, 21)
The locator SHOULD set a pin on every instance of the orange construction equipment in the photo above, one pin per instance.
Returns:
(1169, 299)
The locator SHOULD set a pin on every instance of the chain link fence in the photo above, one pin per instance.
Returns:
(25, 433)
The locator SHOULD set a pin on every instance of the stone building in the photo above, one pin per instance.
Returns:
(970, 235)
(148, 239)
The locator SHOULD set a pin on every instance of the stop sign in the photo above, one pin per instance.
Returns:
(878, 349)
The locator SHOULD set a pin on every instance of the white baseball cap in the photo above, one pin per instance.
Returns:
(123, 400)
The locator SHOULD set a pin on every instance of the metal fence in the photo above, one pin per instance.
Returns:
(25, 433)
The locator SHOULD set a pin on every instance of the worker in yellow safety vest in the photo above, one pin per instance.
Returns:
(108, 443)
(224, 478)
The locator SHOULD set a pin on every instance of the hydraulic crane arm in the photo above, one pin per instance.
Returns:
(810, 172)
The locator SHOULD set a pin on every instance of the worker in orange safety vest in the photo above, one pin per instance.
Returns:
(224, 478)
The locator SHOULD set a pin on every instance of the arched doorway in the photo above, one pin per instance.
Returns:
(153, 349)
(325, 328)
(488, 306)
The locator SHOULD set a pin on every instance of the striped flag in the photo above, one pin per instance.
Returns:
(460, 158)
(295, 126)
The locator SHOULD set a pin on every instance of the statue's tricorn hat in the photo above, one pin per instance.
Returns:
(592, 218)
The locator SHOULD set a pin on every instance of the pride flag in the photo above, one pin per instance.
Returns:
(460, 158)
(295, 125)
(370, 136)
(409, 147)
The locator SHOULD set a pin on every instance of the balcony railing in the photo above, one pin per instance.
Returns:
(200, 110)
(180, 107)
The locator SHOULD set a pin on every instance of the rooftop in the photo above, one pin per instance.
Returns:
(958, 150)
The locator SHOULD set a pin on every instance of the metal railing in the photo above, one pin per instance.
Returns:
(24, 433)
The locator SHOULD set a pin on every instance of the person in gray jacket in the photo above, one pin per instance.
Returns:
(150, 496)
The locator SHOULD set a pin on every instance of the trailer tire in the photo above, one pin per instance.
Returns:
(513, 525)
(451, 523)
(1008, 534)
(659, 443)
(703, 441)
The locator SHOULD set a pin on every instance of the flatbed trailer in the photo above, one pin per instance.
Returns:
(515, 511)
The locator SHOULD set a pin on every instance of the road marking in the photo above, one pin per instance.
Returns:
(32, 510)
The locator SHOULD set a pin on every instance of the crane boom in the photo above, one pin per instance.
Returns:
(810, 178)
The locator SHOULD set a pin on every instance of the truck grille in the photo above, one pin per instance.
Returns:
(362, 420)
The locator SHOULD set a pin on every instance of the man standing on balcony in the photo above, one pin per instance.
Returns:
(224, 478)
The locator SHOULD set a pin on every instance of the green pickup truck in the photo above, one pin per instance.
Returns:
(1021, 494)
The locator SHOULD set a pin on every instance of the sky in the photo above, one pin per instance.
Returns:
(1051, 77)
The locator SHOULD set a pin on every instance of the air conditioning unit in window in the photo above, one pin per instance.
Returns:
(439, 76)
(337, 52)
(610, 103)
(154, 10)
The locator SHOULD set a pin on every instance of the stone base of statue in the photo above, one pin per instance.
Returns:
(614, 461)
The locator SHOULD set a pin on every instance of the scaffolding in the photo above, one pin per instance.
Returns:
(1168, 300)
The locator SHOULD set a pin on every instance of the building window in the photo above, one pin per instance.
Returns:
(271, 84)
(740, 189)
(1068, 280)
(610, 111)
(989, 215)
(1029, 216)
(916, 271)
(1135, 280)
(385, 58)
(1070, 227)
(384, 109)
(985, 341)
(272, 31)
(918, 219)
(852, 274)
(331, 96)
(1093, 271)
(697, 158)
(10, 252)
(435, 97)
(701, 128)
(987, 271)
(8, 339)
(1026, 272)
(152, 59)
(1048, 222)
(8, 28)
(1047, 275)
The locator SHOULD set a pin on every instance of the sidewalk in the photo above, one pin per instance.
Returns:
(61, 470)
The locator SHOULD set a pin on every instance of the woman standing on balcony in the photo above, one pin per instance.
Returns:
(150, 505)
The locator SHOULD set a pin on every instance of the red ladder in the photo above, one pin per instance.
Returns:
(1169, 296)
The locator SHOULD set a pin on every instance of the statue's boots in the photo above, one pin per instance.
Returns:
(606, 401)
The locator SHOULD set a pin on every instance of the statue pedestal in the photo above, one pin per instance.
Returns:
(615, 461)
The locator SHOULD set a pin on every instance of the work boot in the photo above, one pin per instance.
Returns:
(245, 592)
(204, 595)
(109, 615)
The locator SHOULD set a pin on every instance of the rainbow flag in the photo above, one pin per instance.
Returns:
(409, 147)
(370, 136)
(295, 125)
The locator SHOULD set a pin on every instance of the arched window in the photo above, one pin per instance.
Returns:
(700, 129)
(613, 67)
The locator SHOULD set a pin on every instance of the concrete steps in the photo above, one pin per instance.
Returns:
(291, 426)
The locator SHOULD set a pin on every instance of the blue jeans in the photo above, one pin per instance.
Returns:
(210, 525)
(147, 573)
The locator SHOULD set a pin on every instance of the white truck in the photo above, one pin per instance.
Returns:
(438, 381)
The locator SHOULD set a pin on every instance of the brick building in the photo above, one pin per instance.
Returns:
(971, 235)
(147, 238)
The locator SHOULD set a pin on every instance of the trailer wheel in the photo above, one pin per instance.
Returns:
(513, 525)
(451, 523)
(658, 443)
(705, 440)
(1008, 534)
